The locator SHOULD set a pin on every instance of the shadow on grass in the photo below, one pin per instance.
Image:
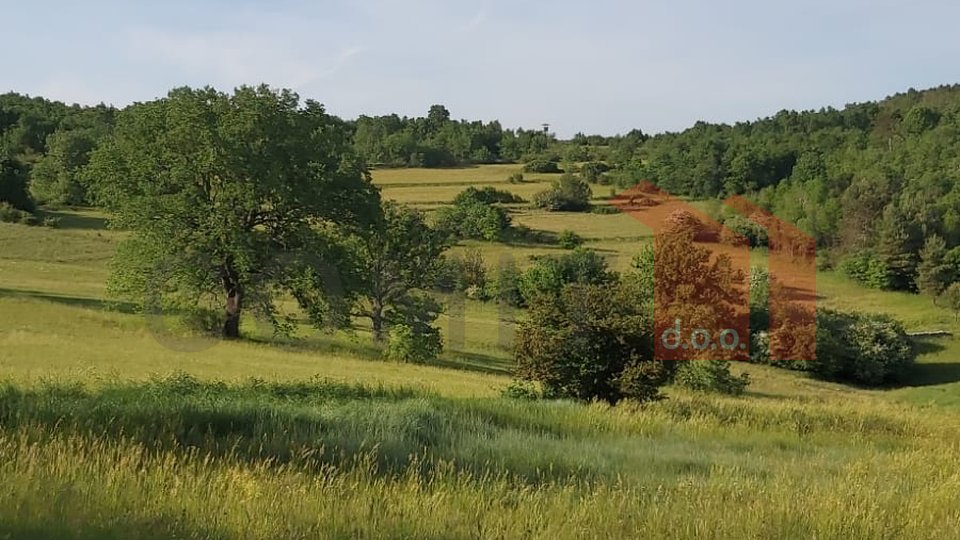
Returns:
(473, 361)
(314, 423)
(932, 373)
(74, 221)
(72, 301)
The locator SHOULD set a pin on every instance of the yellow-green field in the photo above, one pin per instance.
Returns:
(109, 429)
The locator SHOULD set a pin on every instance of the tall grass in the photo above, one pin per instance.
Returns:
(185, 458)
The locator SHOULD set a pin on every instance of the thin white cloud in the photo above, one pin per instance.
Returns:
(234, 58)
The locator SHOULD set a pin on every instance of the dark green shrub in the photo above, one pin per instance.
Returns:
(592, 171)
(549, 275)
(9, 214)
(486, 195)
(711, 376)
(13, 185)
(857, 348)
(541, 166)
(569, 240)
(474, 221)
(505, 288)
(870, 349)
(406, 345)
(755, 235)
(868, 269)
(524, 390)
(569, 194)
(590, 342)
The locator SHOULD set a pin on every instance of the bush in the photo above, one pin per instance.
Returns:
(549, 275)
(858, 348)
(684, 221)
(592, 171)
(505, 288)
(569, 240)
(13, 185)
(711, 376)
(474, 221)
(461, 273)
(590, 342)
(541, 166)
(869, 349)
(738, 226)
(868, 269)
(406, 345)
(9, 214)
(568, 194)
(486, 195)
(516, 178)
(524, 390)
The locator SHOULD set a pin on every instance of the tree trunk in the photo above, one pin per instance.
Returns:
(376, 317)
(231, 323)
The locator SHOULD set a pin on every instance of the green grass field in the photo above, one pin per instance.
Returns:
(109, 429)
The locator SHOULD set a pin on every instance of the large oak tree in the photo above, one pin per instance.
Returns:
(230, 197)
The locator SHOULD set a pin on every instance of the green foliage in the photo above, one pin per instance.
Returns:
(593, 171)
(590, 342)
(224, 196)
(522, 390)
(505, 287)
(404, 344)
(476, 215)
(9, 214)
(13, 185)
(516, 178)
(711, 376)
(466, 273)
(934, 273)
(485, 195)
(57, 177)
(567, 194)
(868, 349)
(746, 228)
(394, 257)
(604, 209)
(950, 298)
(549, 275)
(569, 239)
(866, 268)
(543, 166)
(858, 348)
(438, 141)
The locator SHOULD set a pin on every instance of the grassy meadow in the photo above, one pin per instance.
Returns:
(111, 427)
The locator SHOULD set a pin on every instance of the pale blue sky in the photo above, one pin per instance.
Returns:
(597, 66)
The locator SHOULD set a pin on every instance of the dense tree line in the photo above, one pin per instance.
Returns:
(438, 141)
(44, 146)
(872, 181)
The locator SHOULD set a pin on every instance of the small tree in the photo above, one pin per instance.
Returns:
(934, 274)
(951, 299)
(590, 342)
(397, 256)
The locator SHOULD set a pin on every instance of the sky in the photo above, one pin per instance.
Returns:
(597, 66)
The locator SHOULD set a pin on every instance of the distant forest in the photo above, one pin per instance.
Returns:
(877, 184)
